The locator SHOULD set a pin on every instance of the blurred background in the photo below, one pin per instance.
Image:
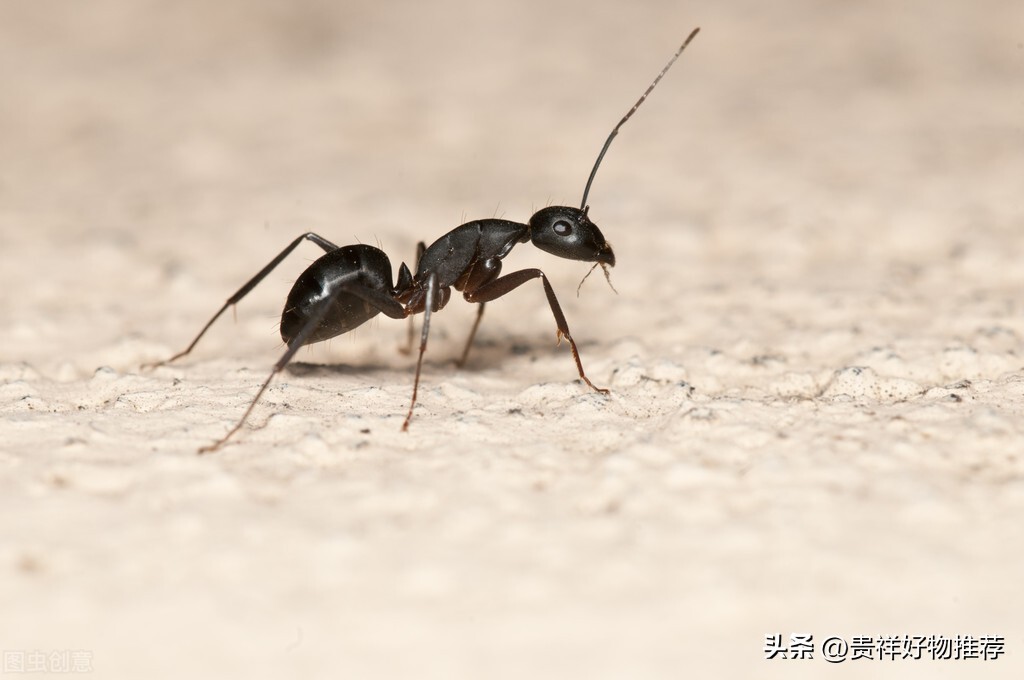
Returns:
(793, 138)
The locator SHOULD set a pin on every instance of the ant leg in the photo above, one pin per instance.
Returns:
(379, 300)
(247, 288)
(428, 308)
(245, 416)
(298, 342)
(472, 334)
(421, 248)
(506, 284)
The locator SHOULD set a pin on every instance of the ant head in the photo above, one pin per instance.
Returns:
(569, 233)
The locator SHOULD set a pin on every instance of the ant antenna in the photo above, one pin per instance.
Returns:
(607, 277)
(608, 142)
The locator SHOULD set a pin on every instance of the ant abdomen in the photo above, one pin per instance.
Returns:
(361, 265)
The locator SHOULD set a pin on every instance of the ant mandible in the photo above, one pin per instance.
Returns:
(350, 285)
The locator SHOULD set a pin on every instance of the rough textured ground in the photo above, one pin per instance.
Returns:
(817, 403)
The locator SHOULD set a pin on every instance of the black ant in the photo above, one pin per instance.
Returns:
(350, 285)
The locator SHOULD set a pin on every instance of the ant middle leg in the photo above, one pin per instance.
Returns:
(430, 296)
(506, 284)
(421, 248)
(326, 245)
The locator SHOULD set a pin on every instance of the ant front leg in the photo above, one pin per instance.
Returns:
(506, 284)
(247, 288)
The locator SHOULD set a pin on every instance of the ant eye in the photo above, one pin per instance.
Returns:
(562, 228)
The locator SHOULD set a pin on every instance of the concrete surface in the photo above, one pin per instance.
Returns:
(815, 424)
